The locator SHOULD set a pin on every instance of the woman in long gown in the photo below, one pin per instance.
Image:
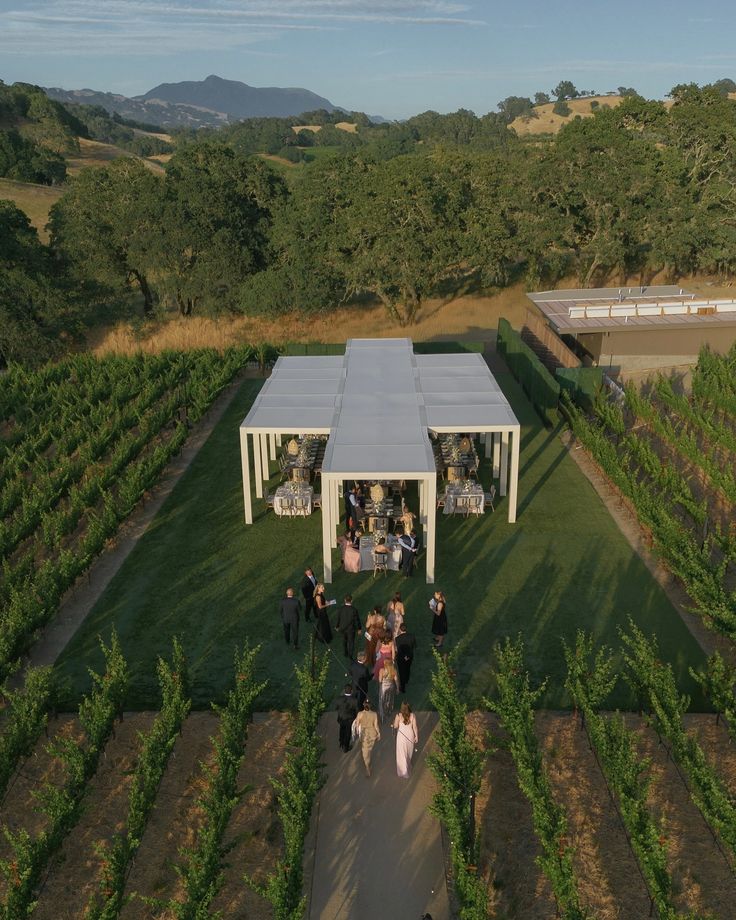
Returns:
(396, 613)
(367, 722)
(388, 684)
(375, 625)
(407, 738)
(438, 605)
(385, 649)
(322, 628)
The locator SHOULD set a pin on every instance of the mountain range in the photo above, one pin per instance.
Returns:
(200, 103)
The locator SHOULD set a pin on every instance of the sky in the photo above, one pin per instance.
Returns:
(385, 57)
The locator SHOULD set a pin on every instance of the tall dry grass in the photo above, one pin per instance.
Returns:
(472, 318)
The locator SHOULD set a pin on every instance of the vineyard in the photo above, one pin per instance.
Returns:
(673, 457)
(82, 441)
(174, 813)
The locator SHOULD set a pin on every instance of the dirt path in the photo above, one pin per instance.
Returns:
(74, 876)
(174, 820)
(607, 871)
(378, 852)
(85, 594)
(253, 837)
(20, 806)
(702, 880)
(517, 887)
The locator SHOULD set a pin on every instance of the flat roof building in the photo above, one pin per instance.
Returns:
(631, 328)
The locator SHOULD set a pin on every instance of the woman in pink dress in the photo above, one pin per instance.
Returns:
(385, 649)
(407, 738)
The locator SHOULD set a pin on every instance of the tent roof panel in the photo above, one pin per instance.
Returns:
(378, 402)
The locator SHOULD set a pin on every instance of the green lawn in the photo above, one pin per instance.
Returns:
(200, 573)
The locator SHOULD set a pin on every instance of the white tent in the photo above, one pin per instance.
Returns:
(379, 403)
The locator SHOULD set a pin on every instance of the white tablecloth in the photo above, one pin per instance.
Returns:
(283, 500)
(366, 554)
(456, 497)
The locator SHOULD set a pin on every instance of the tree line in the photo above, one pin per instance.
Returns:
(642, 189)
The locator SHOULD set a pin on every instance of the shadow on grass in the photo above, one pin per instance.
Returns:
(200, 573)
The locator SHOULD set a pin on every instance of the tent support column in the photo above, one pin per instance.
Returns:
(278, 441)
(335, 508)
(326, 518)
(488, 441)
(514, 484)
(264, 458)
(272, 445)
(504, 462)
(257, 465)
(431, 530)
(422, 504)
(245, 464)
(496, 454)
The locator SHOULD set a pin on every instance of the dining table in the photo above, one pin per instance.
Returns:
(458, 494)
(293, 499)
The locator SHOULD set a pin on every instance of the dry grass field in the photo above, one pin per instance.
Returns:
(549, 123)
(471, 318)
(348, 126)
(94, 153)
(34, 200)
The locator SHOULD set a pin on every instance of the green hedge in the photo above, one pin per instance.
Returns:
(420, 348)
(539, 385)
(582, 383)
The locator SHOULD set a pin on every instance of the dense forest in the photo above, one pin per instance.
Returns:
(395, 211)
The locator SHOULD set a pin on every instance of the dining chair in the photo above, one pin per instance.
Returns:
(380, 563)
(475, 505)
(488, 498)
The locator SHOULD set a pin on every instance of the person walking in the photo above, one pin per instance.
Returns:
(395, 614)
(370, 732)
(290, 610)
(360, 674)
(347, 710)
(322, 628)
(405, 644)
(375, 626)
(384, 649)
(438, 606)
(407, 738)
(309, 583)
(347, 623)
(388, 681)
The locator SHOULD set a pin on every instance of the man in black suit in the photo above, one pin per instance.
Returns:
(347, 624)
(409, 546)
(309, 583)
(360, 674)
(290, 610)
(347, 710)
(406, 643)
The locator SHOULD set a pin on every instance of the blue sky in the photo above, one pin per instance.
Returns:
(387, 57)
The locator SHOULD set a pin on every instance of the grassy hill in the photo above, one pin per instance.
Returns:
(547, 122)
(34, 200)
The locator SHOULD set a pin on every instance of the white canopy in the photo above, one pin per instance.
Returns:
(379, 403)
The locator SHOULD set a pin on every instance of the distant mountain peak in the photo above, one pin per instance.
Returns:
(238, 100)
(198, 103)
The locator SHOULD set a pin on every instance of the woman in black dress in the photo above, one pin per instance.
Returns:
(438, 605)
(322, 628)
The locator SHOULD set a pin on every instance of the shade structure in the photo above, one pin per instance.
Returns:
(379, 404)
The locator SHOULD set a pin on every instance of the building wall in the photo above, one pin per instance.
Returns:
(651, 348)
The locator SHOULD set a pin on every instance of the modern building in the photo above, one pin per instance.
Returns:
(630, 329)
